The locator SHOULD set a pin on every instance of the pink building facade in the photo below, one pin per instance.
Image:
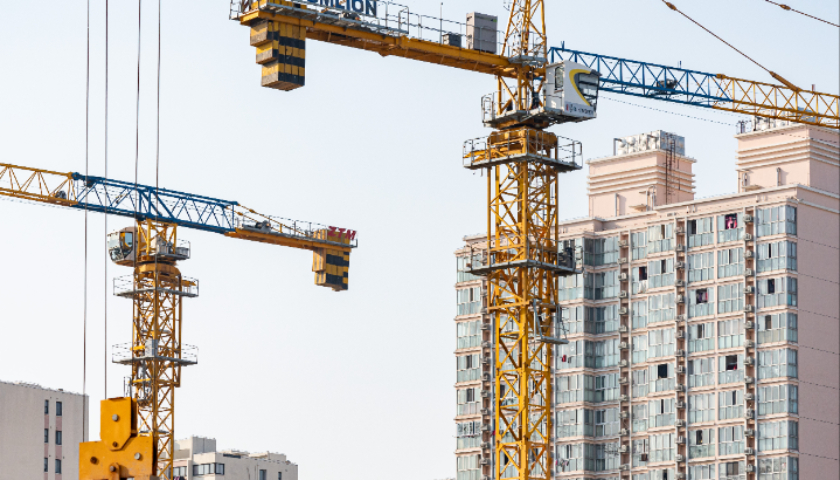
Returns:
(703, 333)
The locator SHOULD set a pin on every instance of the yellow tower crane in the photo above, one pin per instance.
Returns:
(137, 432)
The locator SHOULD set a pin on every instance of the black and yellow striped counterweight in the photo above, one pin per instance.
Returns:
(281, 50)
(331, 267)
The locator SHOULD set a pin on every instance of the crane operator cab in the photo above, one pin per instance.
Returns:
(571, 90)
(121, 246)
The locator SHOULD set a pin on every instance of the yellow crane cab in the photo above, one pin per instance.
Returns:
(122, 246)
(571, 90)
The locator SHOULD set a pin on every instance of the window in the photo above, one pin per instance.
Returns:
(601, 319)
(603, 423)
(570, 423)
(660, 238)
(469, 334)
(662, 448)
(780, 327)
(701, 302)
(46, 435)
(777, 363)
(701, 443)
(640, 419)
(179, 472)
(775, 220)
(640, 347)
(572, 318)
(601, 354)
(701, 337)
(731, 440)
(601, 286)
(730, 404)
(46, 464)
(570, 388)
(468, 434)
(601, 457)
(730, 262)
(731, 333)
(778, 399)
(640, 277)
(700, 232)
(58, 437)
(701, 472)
(46, 407)
(782, 435)
(469, 301)
(468, 367)
(279, 475)
(263, 475)
(779, 468)
(469, 403)
(731, 369)
(661, 343)
(776, 256)
(464, 264)
(570, 355)
(220, 469)
(641, 450)
(468, 468)
(733, 471)
(664, 474)
(639, 314)
(569, 457)
(779, 291)
(638, 244)
(601, 388)
(701, 372)
(730, 298)
(661, 412)
(640, 383)
(57, 463)
(662, 377)
(58, 409)
(600, 251)
(730, 227)
(559, 77)
(701, 267)
(207, 469)
(660, 273)
(661, 308)
(701, 408)
(570, 287)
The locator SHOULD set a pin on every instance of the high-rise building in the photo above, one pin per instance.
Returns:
(40, 431)
(703, 332)
(197, 458)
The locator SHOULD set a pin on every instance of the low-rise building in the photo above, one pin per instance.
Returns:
(197, 458)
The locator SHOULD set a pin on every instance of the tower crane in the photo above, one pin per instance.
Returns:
(137, 432)
(522, 260)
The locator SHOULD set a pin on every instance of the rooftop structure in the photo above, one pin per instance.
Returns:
(198, 458)
(40, 431)
(702, 332)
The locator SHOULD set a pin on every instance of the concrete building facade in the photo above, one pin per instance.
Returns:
(703, 333)
(40, 432)
(197, 458)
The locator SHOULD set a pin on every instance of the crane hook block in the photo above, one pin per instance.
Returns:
(121, 452)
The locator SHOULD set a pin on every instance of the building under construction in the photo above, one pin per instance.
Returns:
(701, 332)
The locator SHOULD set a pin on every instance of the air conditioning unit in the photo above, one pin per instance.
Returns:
(680, 333)
(622, 380)
(623, 243)
(485, 427)
(681, 248)
(680, 423)
(750, 468)
(485, 360)
(749, 361)
(485, 326)
(749, 451)
(486, 446)
(680, 458)
(749, 380)
(622, 294)
(748, 237)
(680, 476)
(622, 260)
(623, 398)
(623, 449)
(485, 377)
(680, 298)
(485, 345)
(749, 397)
(624, 415)
(681, 317)
(749, 309)
(680, 387)
(679, 353)
(484, 461)
(749, 254)
(680, 230)
(680, 283)
(623, 346)
(623, 311)
(748, 218)
(680, 369)
(623, 432)
(680, 265)
(750, 414)
(749, 344)
(749, 325)
(680, 405)
(485, 411)
(625, 467)
(485, 393)
(749, 272)
(749, 290)
(749, 432)
(623, 277)
(623, 329)
(623, 364)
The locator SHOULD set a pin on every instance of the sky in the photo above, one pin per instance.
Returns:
(350, 385)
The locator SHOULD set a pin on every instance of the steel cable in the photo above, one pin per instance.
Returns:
(785, 7)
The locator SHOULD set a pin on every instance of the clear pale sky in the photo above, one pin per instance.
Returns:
(350, 385)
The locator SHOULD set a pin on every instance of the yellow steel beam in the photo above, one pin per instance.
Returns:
(36, 185)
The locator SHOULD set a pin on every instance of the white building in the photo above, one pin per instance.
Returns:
(197, 458)
(40, 431)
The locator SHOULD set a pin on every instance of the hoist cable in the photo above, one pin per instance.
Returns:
(772, 74)
(157, 135)
(785, 7)
(105, 355)
(87, 157)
